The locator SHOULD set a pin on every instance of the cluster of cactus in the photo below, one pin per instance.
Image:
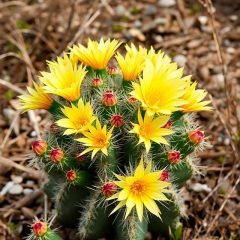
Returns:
(123, 135)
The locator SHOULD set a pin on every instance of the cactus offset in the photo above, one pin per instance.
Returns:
(121, 143)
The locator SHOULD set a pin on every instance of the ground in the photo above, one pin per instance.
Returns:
(201, 37)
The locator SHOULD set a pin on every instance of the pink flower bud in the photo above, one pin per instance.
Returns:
(196, 136)
(97, 82)
(168, 124)
(117, 120)
(174, 156)
(56, 155)
(109, 98)
(39, 228)
(164, 176)
(112, 70)
(109, 188)
(71, 175)
(39, 147)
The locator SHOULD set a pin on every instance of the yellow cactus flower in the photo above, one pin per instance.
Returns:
(72, 55)
(97, 139)
(96, 54)
(161, 87)
(158, 57)
(133, 62)
(64, 78)
(142, 189)
(36, 99)
(78, 118)
(151, 129)
(194, 98)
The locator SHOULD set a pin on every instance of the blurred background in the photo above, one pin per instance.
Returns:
(201, 36)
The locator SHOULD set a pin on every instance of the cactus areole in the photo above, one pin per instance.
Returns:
(123, 140)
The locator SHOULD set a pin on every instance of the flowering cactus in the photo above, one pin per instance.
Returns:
(122, 141)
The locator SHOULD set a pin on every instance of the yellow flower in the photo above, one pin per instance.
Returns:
(97, 139)
(64, 78)
(158, 57)
(72, 54)
(133, 62)
(36, 99)
(132, 50)
(194, 98)
(144, 188)
(96, 55)
(150, 129)
(78, 118)
(161, 87)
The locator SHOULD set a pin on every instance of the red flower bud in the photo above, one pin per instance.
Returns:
(97, 82)
(39, 147)
(109, 98)
(174, 156)
(71, 175)
(168, 124)
(117, 120)
(132, 100)
(112, 70)
(53, 128)
(39, 228)
(56, 155)
(164, 176)
(109, 188)
(196, 136)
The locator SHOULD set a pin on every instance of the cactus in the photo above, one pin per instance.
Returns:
(118, 136)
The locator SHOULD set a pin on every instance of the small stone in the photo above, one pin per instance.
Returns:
(16, 189)
(160, 20)
(16, 179)
(220, 139)
(233, 18)
(219, 78)
(33, 134)
(206, 29)
(158, 38)
(231, 50)
(180, 59)
(166, 3)
(60, 29)
(198, 187)
(27, 191)
(30, 182)
(6, 188)
(8, 113)
(203, 20)
(121, 10)
(150, 10)
(137, 24)
(226, 141)
(137, 33)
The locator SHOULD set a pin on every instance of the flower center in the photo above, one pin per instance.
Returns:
(138, 188)
(81, 123)
(145, 131)
(101, 142)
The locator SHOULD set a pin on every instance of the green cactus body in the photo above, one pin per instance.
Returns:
(119, 151)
